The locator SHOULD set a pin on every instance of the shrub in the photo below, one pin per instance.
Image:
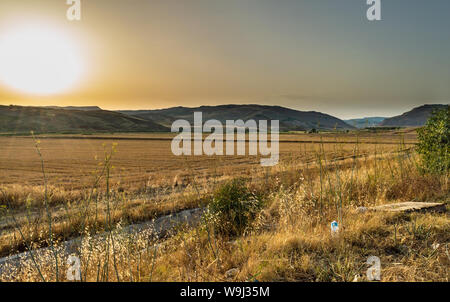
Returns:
(434, 142)
(233, 208)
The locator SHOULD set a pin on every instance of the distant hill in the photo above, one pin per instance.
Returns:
(18, 119)
(365, 122)
(86, 108)
(414, 118)
(290, 120)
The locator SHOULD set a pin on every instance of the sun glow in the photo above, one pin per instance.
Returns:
(38, 60)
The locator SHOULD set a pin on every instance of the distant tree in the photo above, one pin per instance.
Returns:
(434, 142)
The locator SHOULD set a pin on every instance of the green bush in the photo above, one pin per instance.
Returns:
(434, 142)
(233, 208)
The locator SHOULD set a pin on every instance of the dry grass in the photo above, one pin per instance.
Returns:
(314, 184)
(291, 242)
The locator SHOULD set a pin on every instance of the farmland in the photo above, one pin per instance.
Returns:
(146, 158)
(98, 182)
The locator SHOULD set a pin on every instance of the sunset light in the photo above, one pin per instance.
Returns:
(38, 60)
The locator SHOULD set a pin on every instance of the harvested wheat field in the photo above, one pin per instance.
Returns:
(276, 226)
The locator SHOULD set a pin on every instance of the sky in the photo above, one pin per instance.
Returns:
(311, 55)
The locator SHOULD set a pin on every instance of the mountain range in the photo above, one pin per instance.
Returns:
(365, 122)
(290, 120)
(52, 119)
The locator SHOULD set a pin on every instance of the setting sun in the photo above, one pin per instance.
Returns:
(38, 60)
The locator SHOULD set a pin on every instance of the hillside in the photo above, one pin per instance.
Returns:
(290, 120)
(81, 108)
(18, 119)
(416, 117)
(365, 122)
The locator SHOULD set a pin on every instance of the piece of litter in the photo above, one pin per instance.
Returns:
(334, 228)
(231, 273)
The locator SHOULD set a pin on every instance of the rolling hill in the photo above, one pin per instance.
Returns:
(290, 120)
(80, 108)
(18, 119)
(414, 118)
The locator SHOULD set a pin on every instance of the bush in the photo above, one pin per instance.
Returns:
(434, 142)
(233, 208)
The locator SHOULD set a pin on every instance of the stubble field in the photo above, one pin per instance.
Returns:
(95, 183)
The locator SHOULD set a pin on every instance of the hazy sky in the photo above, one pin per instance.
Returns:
(321, 55)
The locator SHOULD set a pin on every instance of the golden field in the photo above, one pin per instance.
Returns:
(146, 158)
(104, 182)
